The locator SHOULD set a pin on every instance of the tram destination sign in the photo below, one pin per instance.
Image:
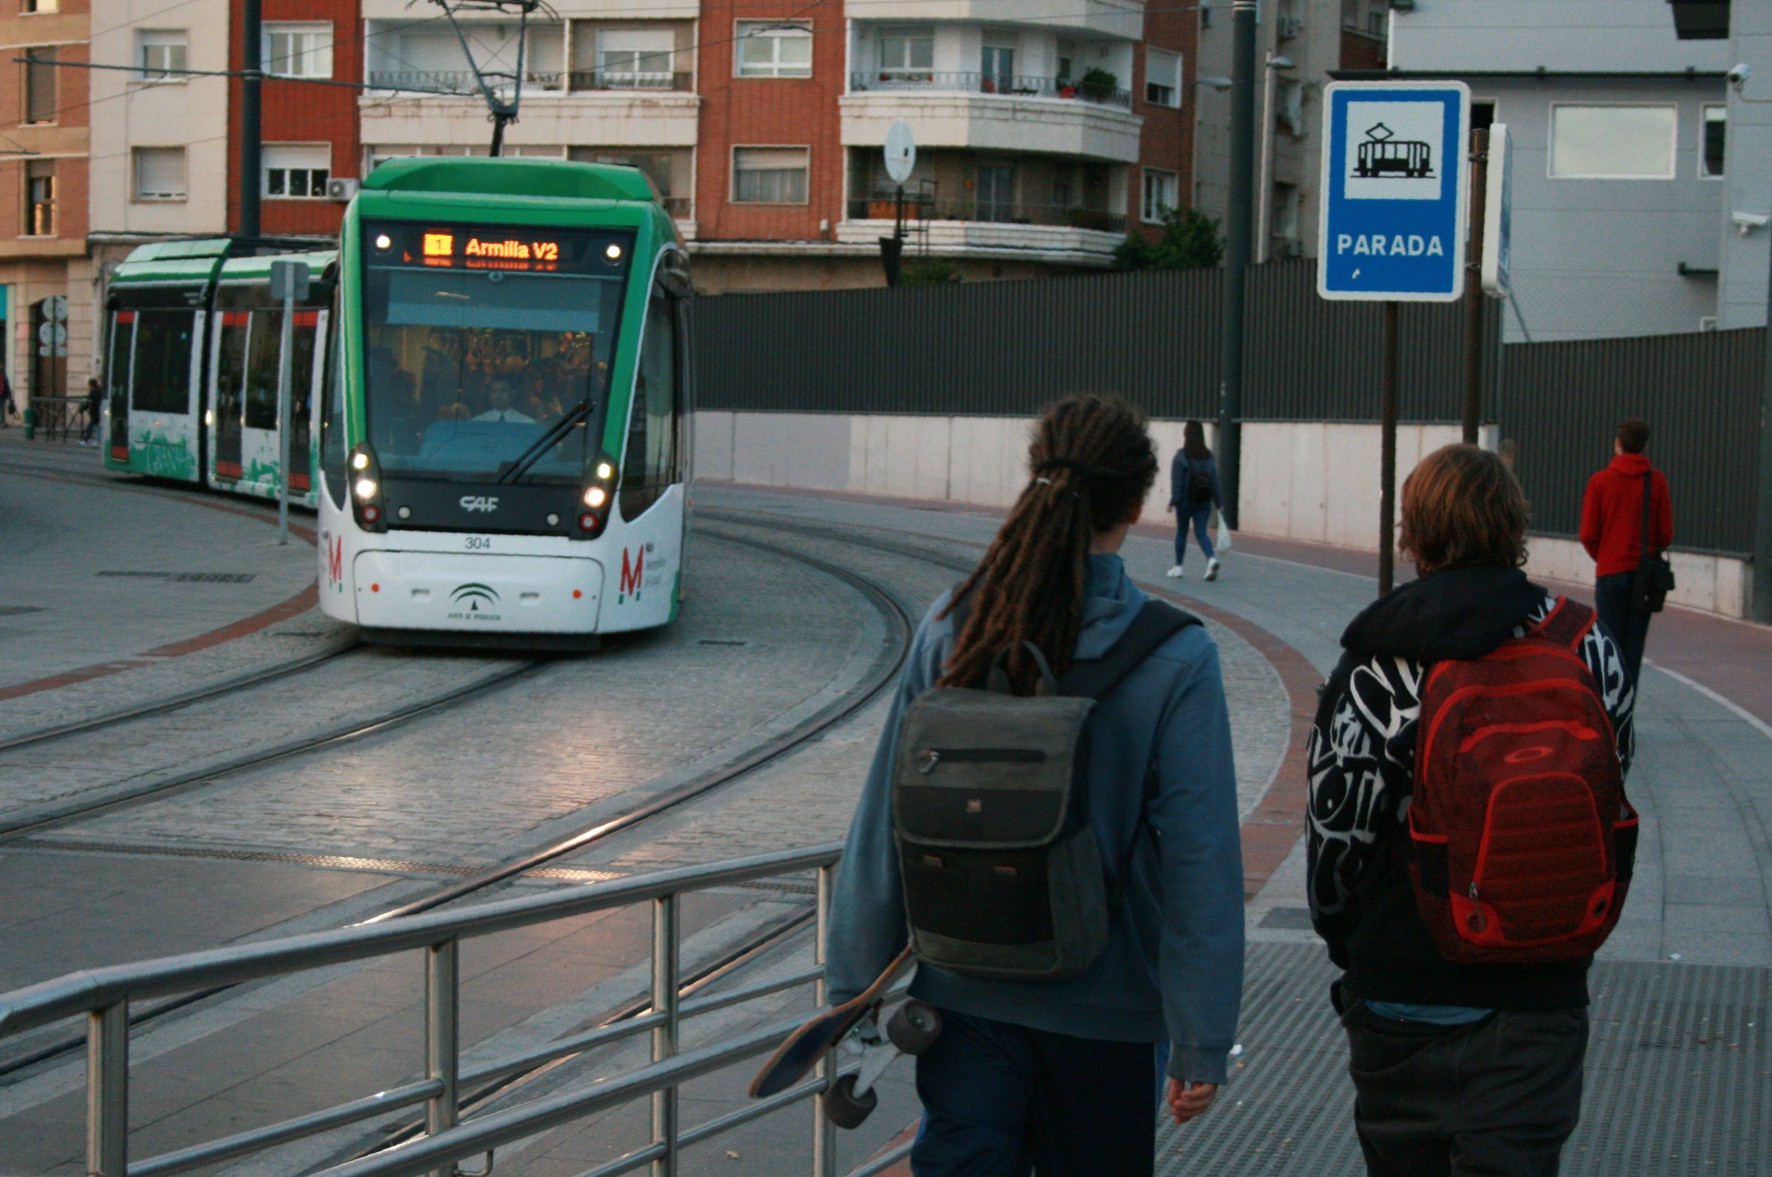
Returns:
(497, 247)
(1396, 191)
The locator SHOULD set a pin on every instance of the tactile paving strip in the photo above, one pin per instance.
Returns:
(1679, 1077)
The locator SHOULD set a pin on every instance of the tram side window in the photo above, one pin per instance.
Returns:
(261, 369)
(163, 361)
(332, 425)
(652, 423)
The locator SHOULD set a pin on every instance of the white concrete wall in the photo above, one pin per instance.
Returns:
(1301, 480)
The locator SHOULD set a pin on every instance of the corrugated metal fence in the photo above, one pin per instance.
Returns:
(1007, 348)
(1561, 404)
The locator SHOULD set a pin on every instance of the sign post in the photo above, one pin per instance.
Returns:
(1396, 200)
(289, 282)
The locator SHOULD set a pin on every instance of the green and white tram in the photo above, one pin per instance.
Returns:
(194, 346)
(503, 453)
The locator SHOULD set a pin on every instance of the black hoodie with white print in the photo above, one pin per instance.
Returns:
(1361, 766)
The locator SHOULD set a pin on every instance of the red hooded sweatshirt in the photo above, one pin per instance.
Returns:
(1612, 515)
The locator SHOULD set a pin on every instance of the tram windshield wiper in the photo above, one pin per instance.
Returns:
(555, 434)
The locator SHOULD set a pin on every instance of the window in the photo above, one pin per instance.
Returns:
(40, 86)
(40, 198)
(1612, 142)
(996, 69)
(41, 6)
(163, 361)
(297, 171)
(1162, 77)
(907, 54)
(159, 173)
(298, 50)
(769, 175)
(1711, 155)
(649, 466)
(1283, 221)
(1161, 193)
(160, 55)
(774, 49)
(635, 58)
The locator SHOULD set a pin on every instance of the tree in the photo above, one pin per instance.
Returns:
(1190, 241)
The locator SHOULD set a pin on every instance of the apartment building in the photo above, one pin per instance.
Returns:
(46, 327)
(1300, 46)
(1041, 137)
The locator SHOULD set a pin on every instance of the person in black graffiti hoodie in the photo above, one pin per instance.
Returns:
(1458, 1068)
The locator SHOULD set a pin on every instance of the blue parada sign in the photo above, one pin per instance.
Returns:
(1395, 191)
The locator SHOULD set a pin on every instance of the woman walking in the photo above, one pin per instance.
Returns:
(1057, 1076)
(1193, 492)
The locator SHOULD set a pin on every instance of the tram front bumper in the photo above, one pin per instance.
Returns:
(489, 594)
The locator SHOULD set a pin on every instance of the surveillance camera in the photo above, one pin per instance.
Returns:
(1739, 75)
(1746, 223)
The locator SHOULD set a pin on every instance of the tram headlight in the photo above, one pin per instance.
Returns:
(596, 497)
(612, 252)
(359, 461)
(605, 471)
(383, 241)
(366, 488)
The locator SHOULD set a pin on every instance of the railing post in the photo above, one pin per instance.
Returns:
(442, 1037)
(107, 1091)
(824, 1133)
(664, 1036)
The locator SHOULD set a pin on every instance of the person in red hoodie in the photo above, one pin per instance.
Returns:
(1612, 533)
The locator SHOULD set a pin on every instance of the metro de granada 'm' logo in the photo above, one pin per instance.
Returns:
(631, 573)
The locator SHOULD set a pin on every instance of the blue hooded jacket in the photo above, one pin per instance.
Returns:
(1173, 965)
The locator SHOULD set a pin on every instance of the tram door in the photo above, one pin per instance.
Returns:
(228, 379)
(304, 391)
(119, 373)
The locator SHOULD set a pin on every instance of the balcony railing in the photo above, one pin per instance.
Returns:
(982, 83)
(462, 81)
(882, 208)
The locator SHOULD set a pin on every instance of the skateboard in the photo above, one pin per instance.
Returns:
(910, 1030)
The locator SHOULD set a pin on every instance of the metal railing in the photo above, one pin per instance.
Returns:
(881, 208)
(104, 997)
(461, 82)
(1003, 85)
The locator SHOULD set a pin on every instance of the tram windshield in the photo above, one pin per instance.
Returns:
(487, 348)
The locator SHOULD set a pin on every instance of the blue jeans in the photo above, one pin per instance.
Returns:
(1629, 629)
(1200, 517)
(1001, 1100)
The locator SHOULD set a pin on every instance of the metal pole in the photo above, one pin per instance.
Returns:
(251, 81)
(1762, 602)
(824, 1133)
(1239, 202)
(285, 417)
(1387, 456)
(107, 1091)
(442, 1037)
(1473, 289)
(664, 1036)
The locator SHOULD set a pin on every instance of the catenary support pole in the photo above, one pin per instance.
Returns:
(1473, 288)
(1762, 571)
(251, 131)
(1239, 201)
(1387, 456)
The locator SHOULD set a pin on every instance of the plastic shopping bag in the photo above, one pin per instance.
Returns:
(1223, 540)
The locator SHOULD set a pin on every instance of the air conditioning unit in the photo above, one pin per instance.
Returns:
(1289, 27)
(1288, 247)
(341, 188)
(1707, 322)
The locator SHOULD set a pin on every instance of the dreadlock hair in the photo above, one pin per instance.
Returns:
(1091, 464)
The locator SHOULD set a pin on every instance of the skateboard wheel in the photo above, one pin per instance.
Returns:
(844, 1108)
(914, 1027)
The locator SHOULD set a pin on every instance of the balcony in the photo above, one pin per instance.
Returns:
(461, 82)
(1049, 233)
(983, 112)
(899, 81)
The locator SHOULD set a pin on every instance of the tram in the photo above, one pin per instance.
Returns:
(194, 347)
(504, 449)
(497, 357)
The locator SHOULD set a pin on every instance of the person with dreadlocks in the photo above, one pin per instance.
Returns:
(1058, 1077)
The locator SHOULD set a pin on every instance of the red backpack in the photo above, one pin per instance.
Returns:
(1523, 836)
